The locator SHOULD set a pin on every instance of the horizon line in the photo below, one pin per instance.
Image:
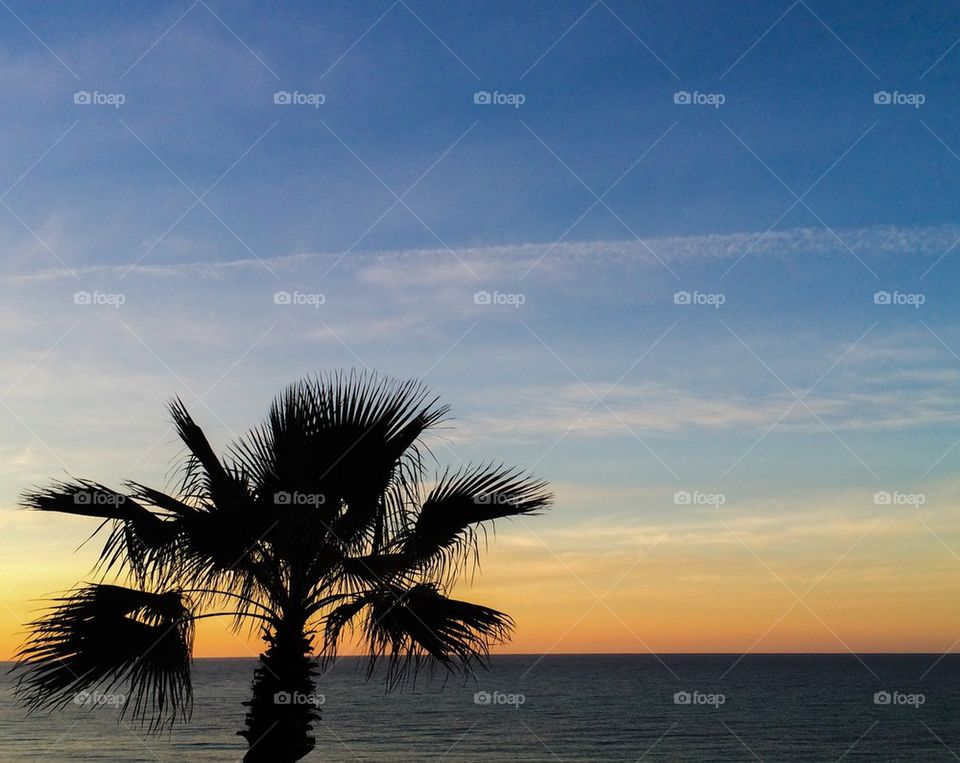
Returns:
(633, 654)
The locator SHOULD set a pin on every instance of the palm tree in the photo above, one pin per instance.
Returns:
(320, 519)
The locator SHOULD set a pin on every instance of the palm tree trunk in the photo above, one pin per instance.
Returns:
(284, 705)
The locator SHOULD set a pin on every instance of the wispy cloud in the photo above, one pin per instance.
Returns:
(400, 267)
(652, 407)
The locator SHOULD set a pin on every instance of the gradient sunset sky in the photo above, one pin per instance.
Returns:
(747, 300)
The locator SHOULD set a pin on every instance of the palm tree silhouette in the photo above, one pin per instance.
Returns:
(322, 518)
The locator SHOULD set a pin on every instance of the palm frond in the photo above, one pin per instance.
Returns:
(350, 438)
(361, 573)
(137, 532)
(204, 477)
(337, 619)
(408, 627)
(161, 500)
(445, 532)
(87, 499)
(112, 639)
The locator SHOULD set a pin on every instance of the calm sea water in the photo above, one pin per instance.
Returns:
(560, 708)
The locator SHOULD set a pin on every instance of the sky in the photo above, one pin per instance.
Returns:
(695, 264)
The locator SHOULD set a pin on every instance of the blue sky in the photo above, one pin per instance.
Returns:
(398, 199)
(399, 98)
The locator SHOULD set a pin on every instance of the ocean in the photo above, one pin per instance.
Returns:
(558, 708)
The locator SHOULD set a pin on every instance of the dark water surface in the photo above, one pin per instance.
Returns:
(559, 708)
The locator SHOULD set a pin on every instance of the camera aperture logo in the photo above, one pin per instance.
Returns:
(486, 698)
(910, 299)
(696, 98)
(96, 98)
(899, 699)
(896, 98)
(711, 299)
(699, 698)
(496, 98)
(296, 98)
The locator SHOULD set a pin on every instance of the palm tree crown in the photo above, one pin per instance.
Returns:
(324, 518)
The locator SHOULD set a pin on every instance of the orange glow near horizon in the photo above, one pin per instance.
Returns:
(584, 599)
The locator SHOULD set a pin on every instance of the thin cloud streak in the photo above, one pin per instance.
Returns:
(876, 241)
